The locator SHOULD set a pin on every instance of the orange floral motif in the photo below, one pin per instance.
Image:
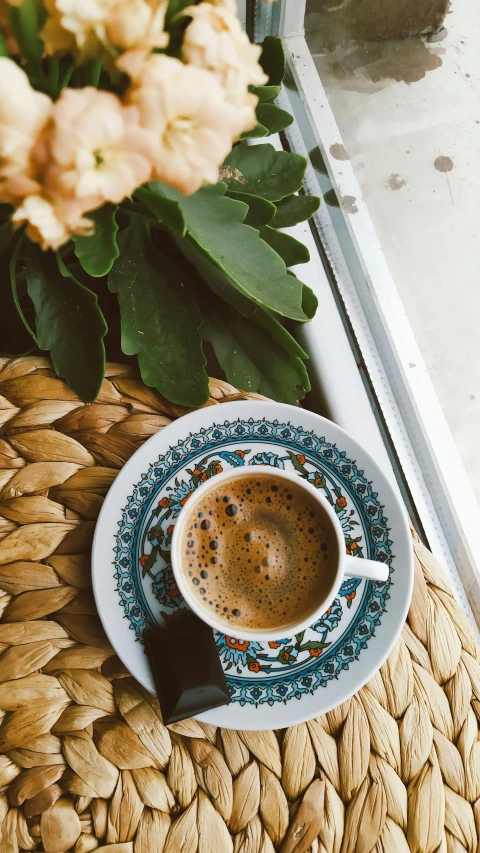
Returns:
(163, 502)
(170, 529)
(204, 476)
(274, 645)
(144, 559)
(218, 468)
(240, 453)
(353, 546)
(197, 472)
(173, 592)
(301, 459)
(254, 666)
(241, 645)
(341, 502)
(315, 653)
(351, 595)
(185, 499)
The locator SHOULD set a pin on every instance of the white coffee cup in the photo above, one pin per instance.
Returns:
(344, 567)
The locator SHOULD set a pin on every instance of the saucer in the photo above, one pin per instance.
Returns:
(286, 681)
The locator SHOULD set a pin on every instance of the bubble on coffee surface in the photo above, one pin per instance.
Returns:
(274, 550)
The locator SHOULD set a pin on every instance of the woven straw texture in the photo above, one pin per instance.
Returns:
(85, 761)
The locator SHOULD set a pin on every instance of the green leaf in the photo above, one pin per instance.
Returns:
(258, 131)
(174, 8)
(26, 21)
(160, 318)
(272, 60)
(309, 301)
(294, 209)
(261, 170)
(265, 93)
(299, 637)
(312, 644)
(290, 250)
(215, 279)
(98, 252)
(69, 323)
(251, 358)
(166, 211)
(281, 336)
(260, 211)
(215, 227)
(273, 118)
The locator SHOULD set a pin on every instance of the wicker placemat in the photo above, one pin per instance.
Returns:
(85, 761)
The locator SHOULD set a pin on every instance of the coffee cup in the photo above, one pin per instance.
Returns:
(259, 553)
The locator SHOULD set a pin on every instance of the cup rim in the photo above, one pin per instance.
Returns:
(252, 633)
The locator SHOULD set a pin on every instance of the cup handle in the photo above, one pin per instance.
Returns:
(369, 569)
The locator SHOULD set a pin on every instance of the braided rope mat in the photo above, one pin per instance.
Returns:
(85, 761)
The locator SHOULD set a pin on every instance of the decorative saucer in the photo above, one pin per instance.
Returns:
(292, 679)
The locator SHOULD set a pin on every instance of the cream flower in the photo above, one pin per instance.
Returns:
(23, 115)
(103, 28)
(194, 126)
(215, 40)
(95, 150)
(48, 225)
(75, 27)
(137, 24)
(230, 5)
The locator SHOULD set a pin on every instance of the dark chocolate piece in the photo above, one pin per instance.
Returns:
(186, 669)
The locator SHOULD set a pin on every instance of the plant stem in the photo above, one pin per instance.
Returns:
(13, 283)
(53, 75)
(94, 72)
(65, 77)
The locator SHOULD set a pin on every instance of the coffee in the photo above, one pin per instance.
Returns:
(258, 552)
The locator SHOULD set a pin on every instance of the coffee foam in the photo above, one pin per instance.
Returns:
(259, 553)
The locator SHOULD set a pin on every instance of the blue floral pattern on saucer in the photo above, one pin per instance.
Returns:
(287, 668)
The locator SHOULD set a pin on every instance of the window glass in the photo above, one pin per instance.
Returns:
(403, 82)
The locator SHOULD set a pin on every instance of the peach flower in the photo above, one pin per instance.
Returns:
(103, 28)
(75, 27)
(23, 115)
(48, 225)
(194, 126)
(215, 40)
(230, 5)
(95, 149)
(137, 24)
(92, 150)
